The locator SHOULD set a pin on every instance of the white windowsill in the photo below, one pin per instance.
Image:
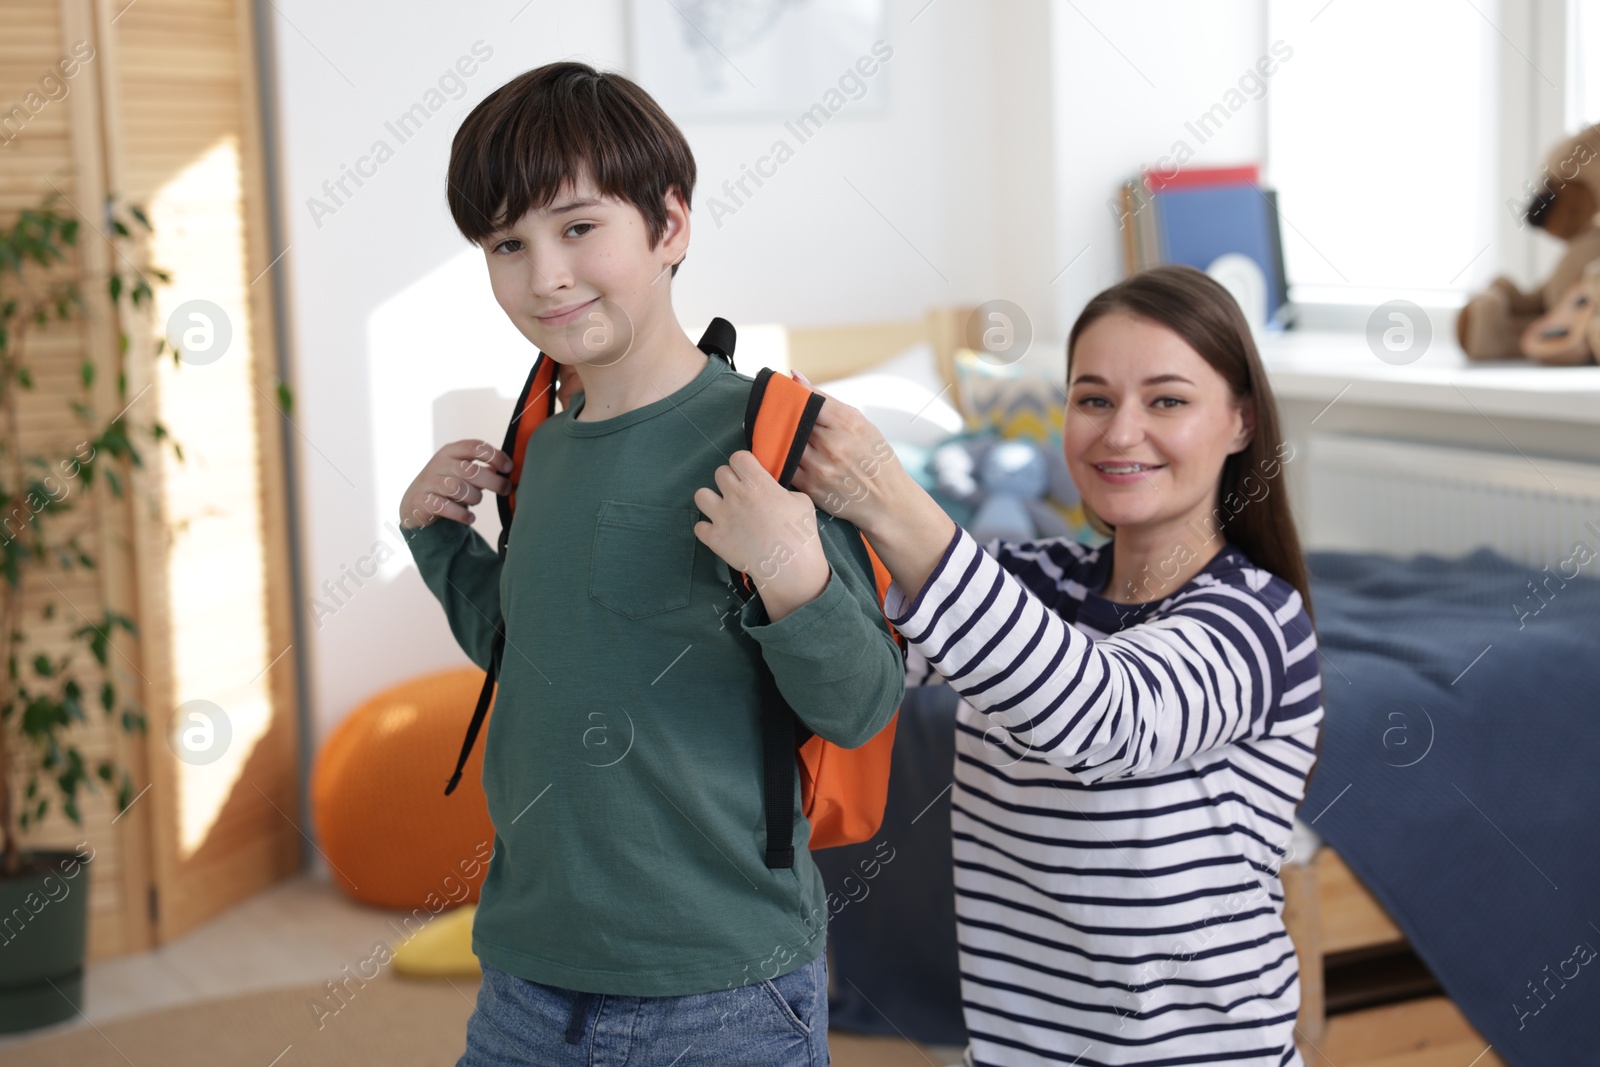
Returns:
(1326, 365)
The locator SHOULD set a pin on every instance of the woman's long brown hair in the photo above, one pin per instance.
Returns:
(1200, 311)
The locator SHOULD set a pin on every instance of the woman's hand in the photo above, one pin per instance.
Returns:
(852, 472)
(452, 481)
(848, 467)
(759, 527)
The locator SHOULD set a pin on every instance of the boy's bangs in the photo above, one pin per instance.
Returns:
(541, 135)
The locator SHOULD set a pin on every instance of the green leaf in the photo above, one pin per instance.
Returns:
(72, 700)
(105, 771)
(138, 213)
(43, 667)
(108, 696)
(98, 644)
(115, 286)
(70, 808)
(285, 397)
(25, 377)
(39, 720)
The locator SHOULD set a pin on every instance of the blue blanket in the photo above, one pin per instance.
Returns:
(1460, 778)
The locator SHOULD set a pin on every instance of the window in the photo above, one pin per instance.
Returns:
(1583, 63)
(1384, 143)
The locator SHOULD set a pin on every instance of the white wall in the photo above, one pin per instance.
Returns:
(1007, 128)
(1128, 78)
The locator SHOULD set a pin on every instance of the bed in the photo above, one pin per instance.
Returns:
(1367, 996)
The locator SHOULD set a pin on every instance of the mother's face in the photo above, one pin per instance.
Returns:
(1138, 395)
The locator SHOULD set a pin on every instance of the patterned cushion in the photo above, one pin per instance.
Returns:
(1009, 399)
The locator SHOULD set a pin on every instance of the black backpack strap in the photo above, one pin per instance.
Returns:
(718, 340)
(782, 731)
(502, 504)
(481, 712)
(777, 773)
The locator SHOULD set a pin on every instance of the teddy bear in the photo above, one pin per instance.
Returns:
(1012, 489)
(1565, 202)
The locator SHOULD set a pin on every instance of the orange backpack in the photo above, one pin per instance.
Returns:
(842, 791)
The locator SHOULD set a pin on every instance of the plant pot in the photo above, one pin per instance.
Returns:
(44, 924)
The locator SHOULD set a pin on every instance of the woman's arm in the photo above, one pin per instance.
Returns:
(1213, 669)
(1198, 677)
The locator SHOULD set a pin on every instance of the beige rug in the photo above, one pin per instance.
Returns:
(397, 1022)
(392, 1021)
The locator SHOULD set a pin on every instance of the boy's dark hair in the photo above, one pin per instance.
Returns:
(546, 128)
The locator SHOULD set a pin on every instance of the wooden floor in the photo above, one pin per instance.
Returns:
(1428, 1032)
(304, 930)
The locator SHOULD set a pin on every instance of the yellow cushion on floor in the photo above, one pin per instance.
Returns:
(442, 949)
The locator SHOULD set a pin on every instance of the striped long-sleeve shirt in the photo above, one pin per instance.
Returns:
(1126, 779)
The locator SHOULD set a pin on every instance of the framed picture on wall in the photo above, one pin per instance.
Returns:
(756, 59)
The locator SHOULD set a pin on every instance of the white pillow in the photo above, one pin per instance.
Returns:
(904, 397)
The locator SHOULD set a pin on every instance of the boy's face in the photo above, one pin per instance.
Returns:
(579, 278)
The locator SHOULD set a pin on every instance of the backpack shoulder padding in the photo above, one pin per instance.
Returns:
(778, 420)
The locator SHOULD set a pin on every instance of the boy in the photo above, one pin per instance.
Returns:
(628, 913)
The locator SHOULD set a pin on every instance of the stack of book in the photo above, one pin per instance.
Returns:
(1198, 216)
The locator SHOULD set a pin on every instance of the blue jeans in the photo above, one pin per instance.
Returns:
(781, 1022)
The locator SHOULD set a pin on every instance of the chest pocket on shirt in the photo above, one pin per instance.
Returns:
(643, 559)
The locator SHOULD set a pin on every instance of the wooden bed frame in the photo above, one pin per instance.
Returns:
(1365, 999)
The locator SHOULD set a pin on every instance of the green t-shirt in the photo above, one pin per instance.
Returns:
(622, 762)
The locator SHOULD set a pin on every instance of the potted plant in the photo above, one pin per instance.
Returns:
(50, 686)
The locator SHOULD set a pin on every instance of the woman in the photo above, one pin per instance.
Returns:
(1138, 721)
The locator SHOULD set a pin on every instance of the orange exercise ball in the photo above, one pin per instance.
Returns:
(391, 836)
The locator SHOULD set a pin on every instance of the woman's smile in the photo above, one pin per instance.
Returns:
(1127, 473)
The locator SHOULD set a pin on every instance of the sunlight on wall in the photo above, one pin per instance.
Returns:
(216, 579)
(441, 339)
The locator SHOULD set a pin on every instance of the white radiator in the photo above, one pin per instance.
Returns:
(1368, 494)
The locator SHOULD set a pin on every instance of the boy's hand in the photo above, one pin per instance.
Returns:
(766, 531)
(452, 481)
